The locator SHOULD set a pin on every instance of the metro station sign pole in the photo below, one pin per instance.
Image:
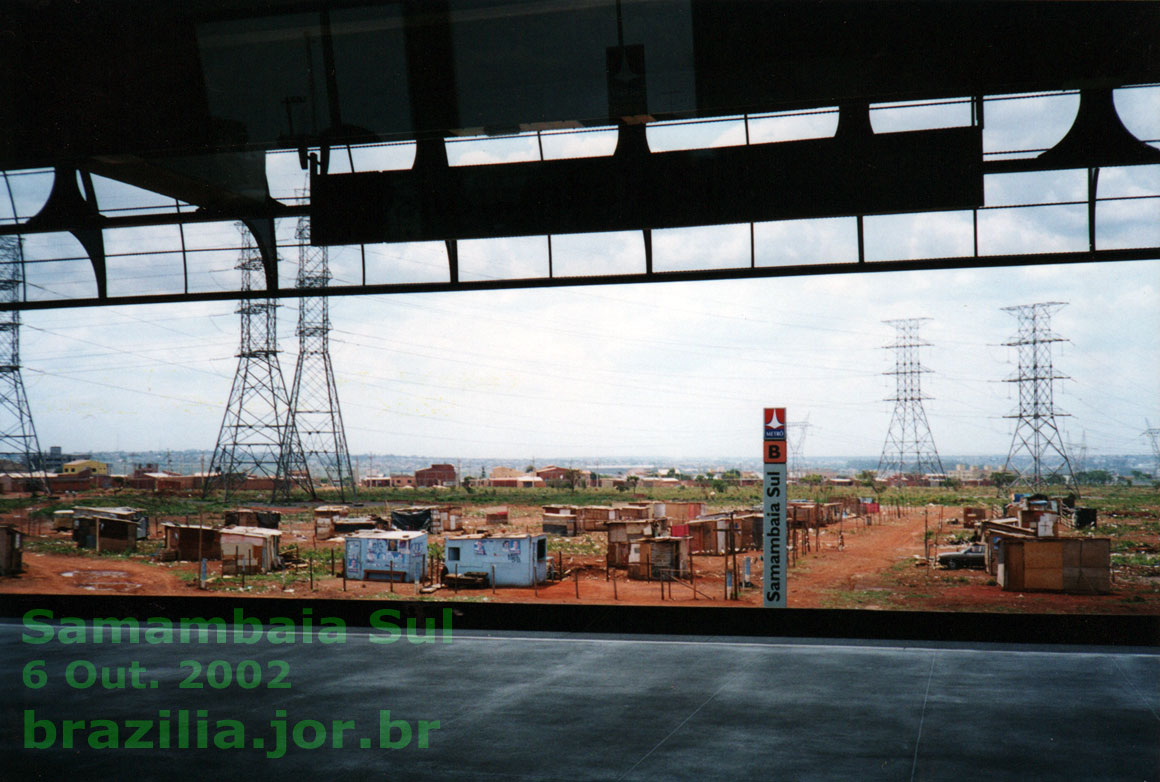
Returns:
(775, 495)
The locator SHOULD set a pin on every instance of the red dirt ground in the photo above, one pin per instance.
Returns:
(875, 569)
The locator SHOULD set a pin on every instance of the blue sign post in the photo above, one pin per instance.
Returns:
(774, 496)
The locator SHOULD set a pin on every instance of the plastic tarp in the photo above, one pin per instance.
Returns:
(411, 519)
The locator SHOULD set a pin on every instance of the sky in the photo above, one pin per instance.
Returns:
(665, 370)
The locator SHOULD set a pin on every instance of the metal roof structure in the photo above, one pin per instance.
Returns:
(185, 100)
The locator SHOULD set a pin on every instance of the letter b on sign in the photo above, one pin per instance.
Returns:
(774, 451)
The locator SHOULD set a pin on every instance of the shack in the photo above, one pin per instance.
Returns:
(993, 532)
(347, 525)
(386, 555)
(324, 516)
(505, 560)
(634, 510)
(446, 518)
(1072, 565)
(659, 559)
(135, 515)
(590, 518)
(252, 517)
(679, 512)
(973, 516)
(563, 524)
(62, 520)
(250, 550)
(11, 550)
(622, 532)
(412, 518)
(189, 542)
(105, 534)
(496, 517)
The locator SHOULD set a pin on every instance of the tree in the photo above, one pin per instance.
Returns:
(869, 479)
(1002, 480)
(573, 478)
(631, 481)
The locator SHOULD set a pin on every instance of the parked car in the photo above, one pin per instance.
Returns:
(971, 556)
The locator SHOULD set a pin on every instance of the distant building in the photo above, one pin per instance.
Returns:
(55, 459)
(79, 465)
(435, 475)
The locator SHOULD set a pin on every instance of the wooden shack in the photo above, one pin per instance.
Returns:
(496, 517)
(680, 512)
(346, 525)
(324, 516)
(252, 517)
(250, 550)
(1072, 565)
(594, 518)
(973, 516)
(11, 550)
(62, 520)
(634, 510)
(560, 524)
(137, 516)
(190, 542)
(623, 532)
(105, 534)
(659, 559)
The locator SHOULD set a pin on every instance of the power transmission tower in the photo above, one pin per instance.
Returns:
(797, 444)
(317, 419)
(909, 446)
(1153, 435)
(18, 441)
(1036, 433)
(257, 435)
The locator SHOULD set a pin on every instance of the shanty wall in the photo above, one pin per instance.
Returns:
(184, 543)
(659, 560)
(1073, 565)
(382, 558)
(516, 560)
(115, 534)
(251, 553)
(10, 551)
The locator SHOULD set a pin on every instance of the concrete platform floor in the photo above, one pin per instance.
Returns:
(528, 706)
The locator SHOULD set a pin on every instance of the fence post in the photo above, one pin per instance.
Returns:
(493, 579)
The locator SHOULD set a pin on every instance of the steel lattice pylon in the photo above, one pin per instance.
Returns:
(909, 447)
(257, 435)
(797, 444)
(1036, 434)
(317, 418)
(18, 441)
(1153, 435)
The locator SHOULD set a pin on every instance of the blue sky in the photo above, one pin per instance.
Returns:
(674, 369)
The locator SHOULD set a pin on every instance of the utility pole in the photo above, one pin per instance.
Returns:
(254, 434)
(909, 446)
(1036, 434)
(18, 442)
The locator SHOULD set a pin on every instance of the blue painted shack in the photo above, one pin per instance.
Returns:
(384, 555)
(516, 560)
